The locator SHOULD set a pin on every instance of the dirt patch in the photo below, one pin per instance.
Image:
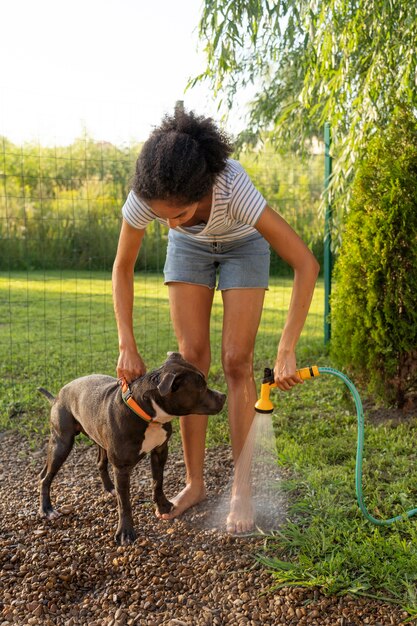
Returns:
(380, 415)
(70, 572)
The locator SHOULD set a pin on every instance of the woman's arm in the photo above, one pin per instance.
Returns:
(130, 364)
(290, 247)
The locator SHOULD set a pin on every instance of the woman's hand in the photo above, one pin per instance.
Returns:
(285, 375)
(130, 365)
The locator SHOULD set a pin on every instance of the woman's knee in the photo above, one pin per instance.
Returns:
(237, 365)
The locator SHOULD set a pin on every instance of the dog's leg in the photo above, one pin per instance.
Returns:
(159, 457)
(125, 533)
(59, 448)
(103, 467)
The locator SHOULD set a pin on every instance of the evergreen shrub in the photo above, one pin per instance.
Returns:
(374, 303)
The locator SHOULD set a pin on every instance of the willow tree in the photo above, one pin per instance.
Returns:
(348, 62)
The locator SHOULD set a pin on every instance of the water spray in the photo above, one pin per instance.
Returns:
(265, 406)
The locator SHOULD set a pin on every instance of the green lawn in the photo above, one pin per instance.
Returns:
(327, 542)
(55, 326)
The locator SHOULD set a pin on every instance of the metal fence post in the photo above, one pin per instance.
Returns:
(327, 233)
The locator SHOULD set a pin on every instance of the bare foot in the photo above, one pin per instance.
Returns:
(240, 519)
(188, 497)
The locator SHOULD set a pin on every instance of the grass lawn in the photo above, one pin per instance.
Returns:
(55, 326)
(327, 542)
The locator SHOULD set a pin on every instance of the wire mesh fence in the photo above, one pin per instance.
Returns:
(60, 214)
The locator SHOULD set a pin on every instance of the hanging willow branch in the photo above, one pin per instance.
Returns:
(348, 62)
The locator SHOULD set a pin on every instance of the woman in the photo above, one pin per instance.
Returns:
(218, 224)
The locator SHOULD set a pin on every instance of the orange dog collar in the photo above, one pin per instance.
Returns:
(131, 402)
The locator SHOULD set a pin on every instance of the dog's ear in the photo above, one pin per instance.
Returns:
(165, 385)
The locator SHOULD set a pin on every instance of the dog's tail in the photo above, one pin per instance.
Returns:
(46, 393)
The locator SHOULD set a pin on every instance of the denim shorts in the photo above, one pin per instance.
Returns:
(239, 264)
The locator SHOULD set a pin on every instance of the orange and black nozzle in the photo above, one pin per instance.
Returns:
(264, 404)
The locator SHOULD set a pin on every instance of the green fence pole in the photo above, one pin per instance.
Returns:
(327, 233)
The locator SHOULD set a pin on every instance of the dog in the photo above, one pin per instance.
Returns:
(126, 422)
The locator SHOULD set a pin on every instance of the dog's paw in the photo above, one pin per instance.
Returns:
(125, 536)
(164, 507)
(109, 495)
(49, 514)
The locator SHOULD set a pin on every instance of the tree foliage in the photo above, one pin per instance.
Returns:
(374, 314)
(348, 62)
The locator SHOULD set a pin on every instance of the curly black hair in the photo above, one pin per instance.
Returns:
(181, 159)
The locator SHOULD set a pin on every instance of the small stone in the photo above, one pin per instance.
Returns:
(199, 554)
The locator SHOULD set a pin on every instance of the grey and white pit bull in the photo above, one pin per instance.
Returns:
(99, 407)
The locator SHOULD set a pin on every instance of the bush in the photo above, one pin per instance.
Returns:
(374, 312)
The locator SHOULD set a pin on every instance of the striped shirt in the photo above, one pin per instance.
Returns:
(236, 207)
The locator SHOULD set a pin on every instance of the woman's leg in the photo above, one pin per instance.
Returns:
(242, 314)
(190, 313)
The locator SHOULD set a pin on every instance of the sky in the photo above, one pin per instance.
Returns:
(111, 67)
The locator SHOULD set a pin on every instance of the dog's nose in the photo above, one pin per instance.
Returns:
(222, 398)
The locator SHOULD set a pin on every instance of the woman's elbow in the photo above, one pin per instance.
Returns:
(123, 265)
(309, 266)
(315, 266)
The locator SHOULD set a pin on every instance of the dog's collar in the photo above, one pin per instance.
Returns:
(131, 402)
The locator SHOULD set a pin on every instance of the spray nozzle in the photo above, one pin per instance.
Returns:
(264, 404)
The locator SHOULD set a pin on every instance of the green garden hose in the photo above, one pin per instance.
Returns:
(265, 406)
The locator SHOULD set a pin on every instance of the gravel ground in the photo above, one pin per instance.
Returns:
(181, 573)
